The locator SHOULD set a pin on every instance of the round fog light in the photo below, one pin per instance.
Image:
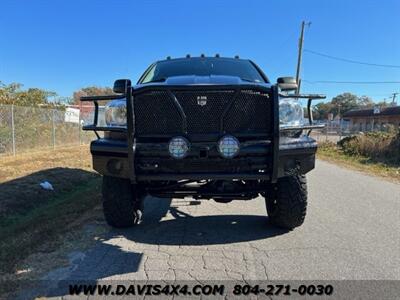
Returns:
(228, 146)
(178, 147)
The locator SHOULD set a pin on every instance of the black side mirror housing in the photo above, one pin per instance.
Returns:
(121, 86)
(287, 84)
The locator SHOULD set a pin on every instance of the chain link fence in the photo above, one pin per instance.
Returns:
(24, 129)
(334, 132)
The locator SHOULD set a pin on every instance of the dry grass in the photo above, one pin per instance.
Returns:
(12, 167)
(380, 147)
(331, 152)
(34, 220)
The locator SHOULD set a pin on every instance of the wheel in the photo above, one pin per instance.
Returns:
(286, 201)
(122, 202)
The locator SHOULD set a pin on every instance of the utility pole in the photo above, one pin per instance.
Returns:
(394, 98)
(303, 24)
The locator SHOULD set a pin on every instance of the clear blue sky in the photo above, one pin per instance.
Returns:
(65, 45)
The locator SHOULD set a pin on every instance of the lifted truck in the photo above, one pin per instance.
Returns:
(207, 128)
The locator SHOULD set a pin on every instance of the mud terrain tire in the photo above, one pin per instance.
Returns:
(286, 201)
(122, 205)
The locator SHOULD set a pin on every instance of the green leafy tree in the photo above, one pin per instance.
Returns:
(321, 110)
(343, 103)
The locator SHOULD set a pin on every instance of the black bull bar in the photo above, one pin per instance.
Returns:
(129, 130)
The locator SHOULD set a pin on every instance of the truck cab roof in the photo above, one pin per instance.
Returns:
(203, 70)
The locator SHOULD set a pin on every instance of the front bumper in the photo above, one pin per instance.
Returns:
(255, 161)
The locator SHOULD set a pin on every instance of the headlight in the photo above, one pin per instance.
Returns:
(115, 113)
(290, 113)
(178, 147)
(228, 146)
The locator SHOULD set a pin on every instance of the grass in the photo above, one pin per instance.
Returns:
(33, 220)
(330, 152)
(22, 234)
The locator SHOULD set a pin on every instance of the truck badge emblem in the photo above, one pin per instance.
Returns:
(201, 100)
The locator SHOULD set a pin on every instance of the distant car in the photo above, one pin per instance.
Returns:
(208, 128)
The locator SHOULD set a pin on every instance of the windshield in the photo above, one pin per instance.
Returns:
(243, 69)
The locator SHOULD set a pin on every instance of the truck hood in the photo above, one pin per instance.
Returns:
(190, 80)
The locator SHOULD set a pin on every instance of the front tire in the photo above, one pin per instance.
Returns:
(122, 202)
(286, 201)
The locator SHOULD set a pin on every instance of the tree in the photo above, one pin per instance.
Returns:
(14, 94)
(365, 102)
(91, 91)
(343, 103)
(383, 103)
(321, 110)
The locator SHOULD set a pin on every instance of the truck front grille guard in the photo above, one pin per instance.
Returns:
(130, 129)
(310, 97)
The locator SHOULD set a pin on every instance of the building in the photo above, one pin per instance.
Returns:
(372, 119)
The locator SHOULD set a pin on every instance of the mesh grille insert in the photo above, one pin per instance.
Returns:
(248, 111)
(204, 118)
(155, 113)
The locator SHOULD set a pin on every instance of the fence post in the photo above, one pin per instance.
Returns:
(54, 131)
(13, 129)
(79, 125)
(326, 133)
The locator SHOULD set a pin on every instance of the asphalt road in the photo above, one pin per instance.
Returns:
(352, 231)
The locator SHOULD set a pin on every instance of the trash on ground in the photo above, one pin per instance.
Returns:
(47, 185)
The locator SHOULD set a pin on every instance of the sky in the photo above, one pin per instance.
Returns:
(63, 46)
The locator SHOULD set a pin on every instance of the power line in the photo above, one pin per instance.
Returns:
(350, 60)
(350, 82)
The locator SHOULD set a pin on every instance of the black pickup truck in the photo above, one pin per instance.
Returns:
(207, 128)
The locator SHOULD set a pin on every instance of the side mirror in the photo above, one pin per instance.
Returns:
(287, 84)
(121, 85)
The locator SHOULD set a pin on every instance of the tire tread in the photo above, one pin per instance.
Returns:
(291, 196)
(118, 202)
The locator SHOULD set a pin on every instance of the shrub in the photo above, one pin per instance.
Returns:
(378, 146)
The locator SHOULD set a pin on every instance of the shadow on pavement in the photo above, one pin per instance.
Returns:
(109, 257)
(185, 229)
